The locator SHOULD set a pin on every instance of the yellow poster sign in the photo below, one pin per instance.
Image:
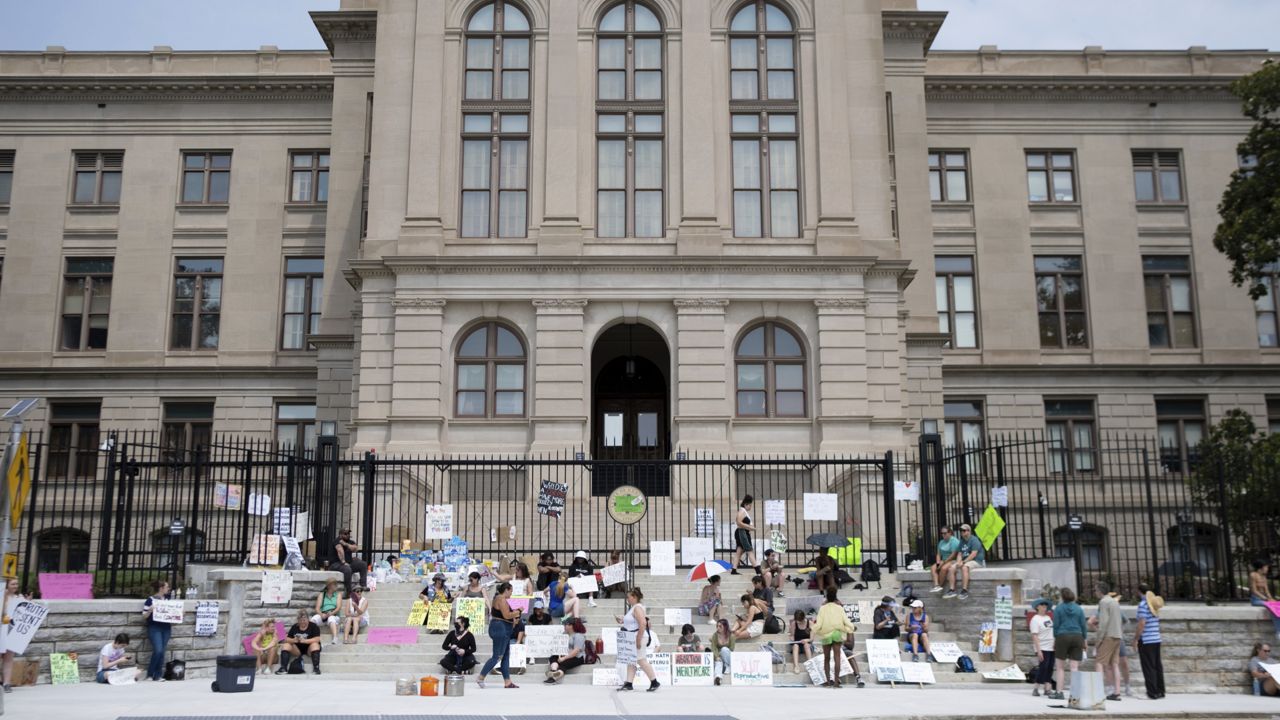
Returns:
(439, 615)
(10, 565)
(989, 527)
(417, 614)
(19, 482)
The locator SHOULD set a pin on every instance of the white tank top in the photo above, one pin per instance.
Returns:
(629, 622)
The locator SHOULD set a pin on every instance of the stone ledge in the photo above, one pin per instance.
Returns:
(108, 605)
(255, 574)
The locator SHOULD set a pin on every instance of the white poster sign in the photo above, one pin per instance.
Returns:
(704, 522)
(439, 522)
(545, 640)
(1004, 613)
(820, 506)
(259, 504)
(946, 653)
(605, 676)
(883, 653)
(1273, 669)
(518, 658)
(584, 584)
(987, 638)
(615, 574)
(816, 674)
(775, 512)
(610, 637)
(282, 521)
(1000, 496)
(918, 673)
(124, 676)
(724, 535)
(277, 587)
(691, 669)
(662, 557)
(906, 491)
(694, 550)
(675, 617)
(291, 547)
(661, 664)
(23, 623)
(1009, 674)
(302, 528)
(626, 649)
(751, 668)
(167, 611)
(889, 674)
(206, 618)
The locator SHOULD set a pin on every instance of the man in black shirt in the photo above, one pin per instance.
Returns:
(302, 639)
(347, 562)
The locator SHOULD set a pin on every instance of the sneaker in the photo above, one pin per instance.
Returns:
(592, 603)
(964, 595)
(780, 594)
(480, 682)
(1055, 695)
(654, 685)
(315, 670)
(858, 679)
(1035, 693)
(915, 658)
(950, 595)
(1128, 691)
(281, 671)
(936, 589)
(1115, 697)
(930, 658)
(557, 674)
(549, 681)
(717, 681)
(625, 687)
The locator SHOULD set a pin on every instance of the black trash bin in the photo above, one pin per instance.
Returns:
(235, 673)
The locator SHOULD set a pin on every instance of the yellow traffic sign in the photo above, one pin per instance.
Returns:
(19, 483)
(10, 565)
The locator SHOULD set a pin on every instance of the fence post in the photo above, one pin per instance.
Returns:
(246, 479)
(963, 464)
(108, 499)
(369, 469)
(1008, 508)
(926, 503)
(890, 514)
(1226, 531)
(187, 541)
(1151, 521)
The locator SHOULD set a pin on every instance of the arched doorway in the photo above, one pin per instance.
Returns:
(630, 400)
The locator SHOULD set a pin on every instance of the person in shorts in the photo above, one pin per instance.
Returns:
(1069, 633)
(1110, 638)
(1041, 627)
(970, 556)
(948, 550)
(114, 658)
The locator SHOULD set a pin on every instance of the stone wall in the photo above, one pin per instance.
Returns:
(241, 588)
(84, 626)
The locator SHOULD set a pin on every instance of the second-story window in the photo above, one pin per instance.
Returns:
(1060, 301)
(1157, 176)
(86, 303)
(1051, 176)
(1171, 311)
(309, 176)
(949, 175)
(956, 294)
(1265, 309)
(303, 293)
(206, 178)
(6, 176)
(97, 178)
(197, 304)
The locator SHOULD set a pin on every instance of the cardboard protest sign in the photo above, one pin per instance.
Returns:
(691, 669)
(472, 609)
(417, 613)
(26, 619)
(625, 649)
(167, 611)
(694, 550)
(439, 616)
(523, 603)
(751, 668)
(291, 547)
(551, 497)
(661, 664)
(584, 584)
(264, 550)
(1000, 496)
(605, 676)
(545, 640)
(64, 668)
(1273, 669)
(883, 653)
(946, 653)
(259, 504)
(906, 491)
(662, 558)
(675, 617)
(277, 587)
(775, 512)
(392, 636)
(918, 673)
(439, 522)
(986, 638)
(1273, 606)
(206, 618)
(889, 674)
(282, 521)
(820, 506)
(614, 574)
(66, 586)
(817, 675)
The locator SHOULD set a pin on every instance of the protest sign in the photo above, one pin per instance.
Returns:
(1000, 496)
(521, 602)
(302, 528)
(1009, 674)
(853, 611)
(818, 676)
(989, 527)
(455, 553)
(775, 512)
(66, 586)
(439, 522)
(609, 635)
(614, 574)
(724, 535)
(545, 640)
(624, 649)
(291, 547)
(277, 587)
(883, 653)
(661, 664)
(889, 674)
(807, 604)
(694, 550)
(264, 550)
(691, 669)
(820, 506)
(282, 521)
(439, 615)
(26, 619)
(472, 609)
(675, 617)
(778, 540)
(551, 498)
(584, 584)
(751, 668)
(986, 638)
(206, 618)
(946, 653)
(906, 491)
(606, 677)
(518, 658)
(1273, 606)
(704, 522)
(1004, 613)
(227, 496)
(392, 636)
(122, 676)
(64, 668)
(918, 673)
(1273, 669)
(417, 613)
(167, 611)
(259, 504)
(662, 558)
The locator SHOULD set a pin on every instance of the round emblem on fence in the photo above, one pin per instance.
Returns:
(627, 505)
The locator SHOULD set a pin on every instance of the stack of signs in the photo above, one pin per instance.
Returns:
(24, 619)
(816, 673)
(206, 618)
(691, 669)
(751, 668)
(277, 587)
(551, 497)
(987, 638)
(472, 609)
(946, 653)
(455, 554)
(542, 641)
(439, 522)
(704, 522)
(166, 611)
(884, 660)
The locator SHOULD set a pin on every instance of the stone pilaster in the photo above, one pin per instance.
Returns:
(559, 377)
(376, 345)
(842, 405)
(701, 386)
(417, 388)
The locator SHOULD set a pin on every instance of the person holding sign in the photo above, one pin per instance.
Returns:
(971, 555)
(502, 620)
(112, 658)
(460, 648)
(10, 604)
(581, 567)
(637, 623)
(157, 632)
(832, 627)
(355, 615)
(576, 656)
(742, 537)
(266, 645)
(1263, 682)
(327, 604)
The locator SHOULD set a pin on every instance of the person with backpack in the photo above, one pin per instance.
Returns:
(1069, 633)
(303, 638)
(832, 626)
(750, 624)
(577, 655)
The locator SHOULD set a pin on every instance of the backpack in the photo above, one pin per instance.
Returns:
(772, 625)
(774, 655)
(295, 666)
(589, 655)
(175, 670)
(965, 665)
(871, 572)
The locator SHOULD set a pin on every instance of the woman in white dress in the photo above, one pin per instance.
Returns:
(10, 604)
(635, 621)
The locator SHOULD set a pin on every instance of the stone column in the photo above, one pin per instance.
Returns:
(561, 230)
(420, 233)
(417, 360)
(559, 377)
(700, 397)
(377, 341)
(843, 408)
(694, 141)
(886, 351)
(393, 95)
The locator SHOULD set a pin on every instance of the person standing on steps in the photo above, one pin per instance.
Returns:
(502, 620)
(157, 632)
(832, 627)
(1041, 628)
(742, 537)
(1148, 638)
(635, 621)
(1069, 632)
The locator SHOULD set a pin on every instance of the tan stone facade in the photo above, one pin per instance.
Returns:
(405, 282)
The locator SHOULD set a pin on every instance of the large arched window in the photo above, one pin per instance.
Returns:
(770, 372)
(62, 550)
(495, 123)
(1087, 545)
(630, 166)
(764, 122)
(490, 373)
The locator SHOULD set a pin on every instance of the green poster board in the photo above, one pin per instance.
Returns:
(64, 669)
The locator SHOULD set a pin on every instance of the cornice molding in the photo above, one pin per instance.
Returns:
(912, 25)
(303, 88)
(331, 341)
(629, 265)
(417, 303)
(840, 303)
(346, 26)
(1076, 89)
(574, 305)
(703, 306)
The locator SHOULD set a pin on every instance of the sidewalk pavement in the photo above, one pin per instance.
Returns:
(303, 696)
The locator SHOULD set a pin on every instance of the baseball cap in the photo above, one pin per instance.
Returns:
(539, 604)
(966, 527)
(886, 600)
(917, 603)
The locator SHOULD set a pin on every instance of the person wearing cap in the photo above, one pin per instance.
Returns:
(436, 592)
(582, 567)
(1041, 627)
(948, 551)
(971, 555)
(918, 631)
(539, 615)
(1148, 639)
(885, 623)
(1069, 633)
(1110, 637)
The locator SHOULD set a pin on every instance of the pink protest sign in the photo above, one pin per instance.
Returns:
(520, 603)
(393, 636)
(66, 586)
(1273, 606)
(247, 641)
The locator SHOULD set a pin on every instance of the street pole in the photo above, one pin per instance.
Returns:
(6, 512)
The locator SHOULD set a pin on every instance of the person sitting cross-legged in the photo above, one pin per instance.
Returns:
(303, 638)
(459, 647)
(577, 655)
(918, 631)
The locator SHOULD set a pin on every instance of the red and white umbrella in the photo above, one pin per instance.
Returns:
(704, 570)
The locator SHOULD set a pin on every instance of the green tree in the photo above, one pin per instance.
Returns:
(1249, 232)
(1249, 463)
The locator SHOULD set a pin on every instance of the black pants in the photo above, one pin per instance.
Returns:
(457, 664)
(357, 566)
(1152, 668)
(569, 663)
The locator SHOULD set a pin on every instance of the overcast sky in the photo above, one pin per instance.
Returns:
(1011, 24)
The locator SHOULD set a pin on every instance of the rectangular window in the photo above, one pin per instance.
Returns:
(296, 424)
(1060, 301)
(1157, 176)
(1273, 415)
(949, 175)
(73, 439)
(956, 292)
(206, 177)
(97, 178)
(86, 303)
(1070, 426)
(629, 192)
(186, 426)
(303, 293)
(197, 304)
(766, 175)
(309, 176)
(1171, 315)
(1265, 309)
(962, 432)
(495, 175)
(6, 175)
(1051, 176)
(1180, 426)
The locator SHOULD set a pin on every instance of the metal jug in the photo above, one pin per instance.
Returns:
(453, 685)
(406, 686)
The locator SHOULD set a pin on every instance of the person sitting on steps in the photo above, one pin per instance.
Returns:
(582, 567)
(346, 562)
(689, 640)
(751, 623)
(355, 615)
(801, 636)
(885, 624)
(918, 631)
(722, 642)
(971, 557)
(771, 570)
(303, 638)
(460, 648)
(577, 655)
(709, 602)
(328, 602)
(948, 551)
